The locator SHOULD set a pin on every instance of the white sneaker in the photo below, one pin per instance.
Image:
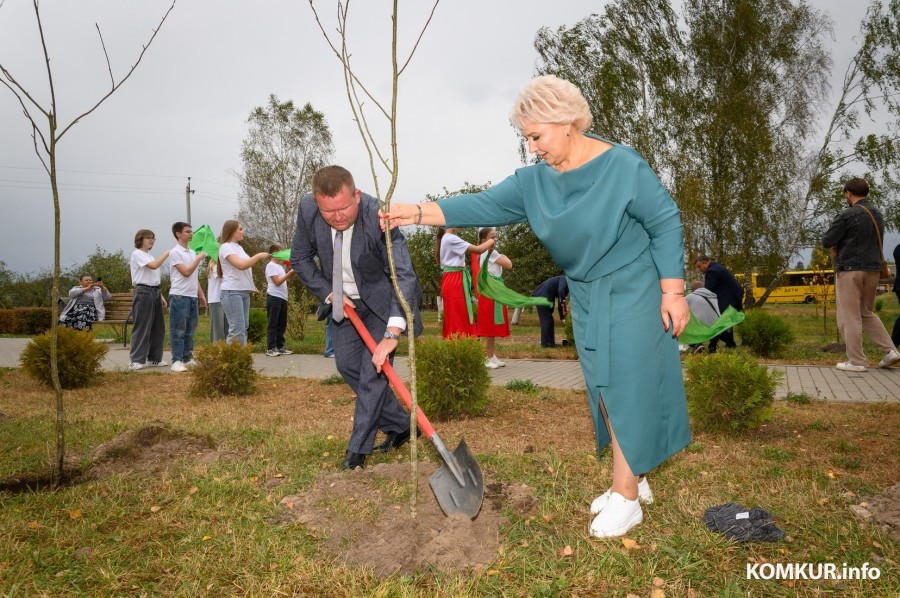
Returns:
(158, 364)
(499, 363)
(617, 517)
(284, 351)
(490, 365)
(645, 495)
(273, 353)
(135, 366)
(178, 366)
(849, 367)
(892, 357)
(192, 362)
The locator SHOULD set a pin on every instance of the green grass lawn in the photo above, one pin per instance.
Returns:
(209, 527)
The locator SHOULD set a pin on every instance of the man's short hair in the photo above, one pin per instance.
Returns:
(178, 227)
(83, 276)
(857, 187)
(697, 284)
(702, 258)
(329, 181)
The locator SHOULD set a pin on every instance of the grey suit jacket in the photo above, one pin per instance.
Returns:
(368, 258)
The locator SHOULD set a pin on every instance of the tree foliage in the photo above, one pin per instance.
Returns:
(284, 146)
(730, 111)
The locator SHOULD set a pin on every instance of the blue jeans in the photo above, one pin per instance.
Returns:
(183, 317)
(329, 345)
(236, 305)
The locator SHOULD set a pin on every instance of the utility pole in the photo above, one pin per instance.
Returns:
(187, 196)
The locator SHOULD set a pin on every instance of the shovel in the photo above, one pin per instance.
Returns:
(457, 484)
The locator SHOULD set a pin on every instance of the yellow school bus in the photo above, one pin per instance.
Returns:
(797, 286)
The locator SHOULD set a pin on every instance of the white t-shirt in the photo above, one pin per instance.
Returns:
(181, 285)
(140, 273)
(453, 251)
(492, 257)
(275, 290)
(235, 279)
(214, 284)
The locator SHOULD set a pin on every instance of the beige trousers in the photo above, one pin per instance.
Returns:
(855, 298)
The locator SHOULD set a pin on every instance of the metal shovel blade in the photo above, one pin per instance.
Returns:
(456, 495)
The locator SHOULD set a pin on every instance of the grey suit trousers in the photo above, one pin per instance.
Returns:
(376, 406)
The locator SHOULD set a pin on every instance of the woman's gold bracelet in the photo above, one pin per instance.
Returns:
(673, 293)
(419, 217)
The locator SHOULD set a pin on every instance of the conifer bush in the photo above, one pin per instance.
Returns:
(729, 392)
(79, 358)
(765, 334)
(223, 369)
(452, 378)
(256, 329)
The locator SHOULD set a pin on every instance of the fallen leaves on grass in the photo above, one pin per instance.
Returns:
(566, 552)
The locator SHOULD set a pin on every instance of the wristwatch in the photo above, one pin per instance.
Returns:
(389, 334)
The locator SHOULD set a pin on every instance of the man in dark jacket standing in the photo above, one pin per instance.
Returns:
(729, 292)
(854, 241)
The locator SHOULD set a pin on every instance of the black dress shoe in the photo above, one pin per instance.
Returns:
(353, 460)
(394, 440)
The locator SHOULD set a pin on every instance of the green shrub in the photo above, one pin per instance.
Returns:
(765, 334)
(570, 332)
(256, 331)
(223, 369)
(452, 377)
(79, 358)
(729, 392)
(37, 319)
(25, 320)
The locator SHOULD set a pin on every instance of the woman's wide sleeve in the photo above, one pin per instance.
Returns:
(655, 209)
(502, 204)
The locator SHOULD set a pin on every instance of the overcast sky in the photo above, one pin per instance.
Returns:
(183, 113)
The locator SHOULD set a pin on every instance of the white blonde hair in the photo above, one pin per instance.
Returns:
(549, 99)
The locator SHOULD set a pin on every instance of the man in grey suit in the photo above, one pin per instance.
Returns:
(338, 220)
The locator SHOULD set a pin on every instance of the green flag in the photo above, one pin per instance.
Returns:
(494, 289)
(205, 240)
(697, 332)
(284, 254)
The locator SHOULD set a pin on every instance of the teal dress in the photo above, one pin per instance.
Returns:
(615, 231)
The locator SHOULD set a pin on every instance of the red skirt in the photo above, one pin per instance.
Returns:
(486, 325)
(456, 317)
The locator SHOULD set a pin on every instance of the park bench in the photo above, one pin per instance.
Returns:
(118, 314)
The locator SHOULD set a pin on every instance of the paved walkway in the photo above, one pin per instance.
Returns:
(823, 383)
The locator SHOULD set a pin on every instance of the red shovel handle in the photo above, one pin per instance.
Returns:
(388, 370)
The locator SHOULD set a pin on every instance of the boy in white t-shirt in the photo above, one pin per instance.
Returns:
(276, 304)
(185, 297)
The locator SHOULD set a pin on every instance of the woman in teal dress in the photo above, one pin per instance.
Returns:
(607, 220)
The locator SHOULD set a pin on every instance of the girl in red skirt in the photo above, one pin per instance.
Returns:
(493, 319)
(456, 282)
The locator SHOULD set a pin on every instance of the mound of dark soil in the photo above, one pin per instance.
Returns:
(363, 518)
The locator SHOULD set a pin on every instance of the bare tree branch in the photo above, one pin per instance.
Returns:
(28, 115)
(11, 82)
(338, 54)
(106, 54)
(419, 39)
(125, 78)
